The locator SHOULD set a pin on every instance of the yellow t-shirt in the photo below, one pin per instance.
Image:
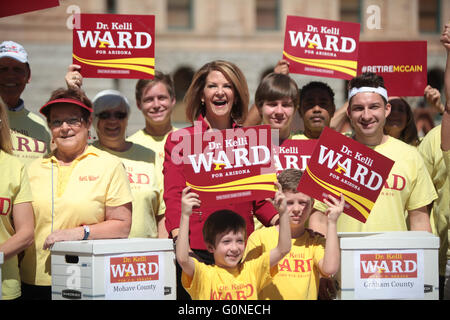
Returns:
(298, 136)
(29, 134)
(97, 180)
(301, 136)
(14, 189)
(211, 282)
(155, 143)
(446, 155)
(298, 274)
(145, 177)
(433, 157)
(407, 187)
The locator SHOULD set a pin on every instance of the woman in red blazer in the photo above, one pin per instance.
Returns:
(217, 98)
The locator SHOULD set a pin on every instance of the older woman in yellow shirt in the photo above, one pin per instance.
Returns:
(79, 191)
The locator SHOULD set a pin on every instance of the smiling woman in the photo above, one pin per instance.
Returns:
(216, 99)
(142, 153)
(79, 192)
(111, 112)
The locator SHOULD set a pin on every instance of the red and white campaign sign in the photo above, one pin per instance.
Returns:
(342, 165)
(402, 64)
(10, 8)
(323, 48)
(392, 274)
(293, 154)
(115, 46)
(134, 276)
(134, 268)
(230, 165)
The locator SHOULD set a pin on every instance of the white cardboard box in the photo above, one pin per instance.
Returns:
(1, 263)
(388, 265)
(115, 269)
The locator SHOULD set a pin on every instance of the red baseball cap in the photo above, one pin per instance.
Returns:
(64, 100)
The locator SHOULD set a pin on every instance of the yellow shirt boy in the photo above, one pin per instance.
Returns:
(298, 273)
(243, 282)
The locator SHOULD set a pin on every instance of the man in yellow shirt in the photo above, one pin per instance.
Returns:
(408, 187)
(29, 133)
(156, 100)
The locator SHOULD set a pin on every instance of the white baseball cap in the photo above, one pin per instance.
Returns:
(13, 50)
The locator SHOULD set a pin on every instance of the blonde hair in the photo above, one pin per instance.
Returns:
(232, 73)
(5, 134)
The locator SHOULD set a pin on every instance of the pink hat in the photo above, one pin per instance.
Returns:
(64, 100)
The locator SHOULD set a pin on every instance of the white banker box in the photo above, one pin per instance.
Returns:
(388, 265)
(114, 269)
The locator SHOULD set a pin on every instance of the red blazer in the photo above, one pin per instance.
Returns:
(175, 182)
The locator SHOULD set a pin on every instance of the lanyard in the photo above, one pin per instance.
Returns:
(53, 198)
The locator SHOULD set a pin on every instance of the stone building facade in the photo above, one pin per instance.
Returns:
(190, 33)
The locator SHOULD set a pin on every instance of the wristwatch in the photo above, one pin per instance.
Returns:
(87, 231)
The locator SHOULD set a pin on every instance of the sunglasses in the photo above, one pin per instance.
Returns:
(116, 115)
(71, 122)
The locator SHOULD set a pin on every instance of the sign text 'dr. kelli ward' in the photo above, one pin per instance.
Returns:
(230, 165)
(323, 48)
(342, 165)
(115, 46)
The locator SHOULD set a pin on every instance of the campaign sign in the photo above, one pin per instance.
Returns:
(134, 276)
(392, 274)
(323, 48)
(10, 8)
(115, 46)
(342, 165)
(402, 64)
(231, 165)
(293, 154)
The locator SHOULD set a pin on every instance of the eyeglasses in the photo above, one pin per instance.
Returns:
(71, 122)
(116, 115)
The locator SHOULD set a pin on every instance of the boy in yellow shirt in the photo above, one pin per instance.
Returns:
(311, 255)
(224, 233)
